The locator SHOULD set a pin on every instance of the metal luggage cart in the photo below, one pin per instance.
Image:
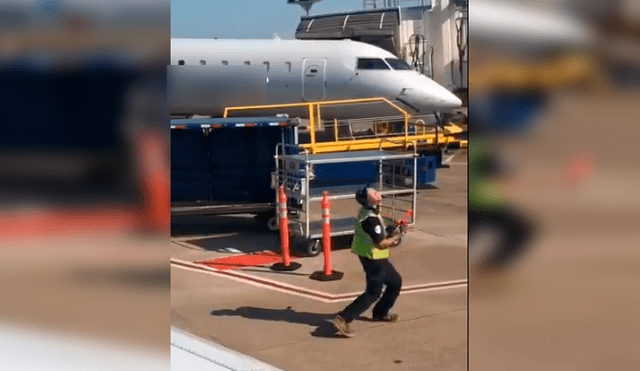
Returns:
(299, 172)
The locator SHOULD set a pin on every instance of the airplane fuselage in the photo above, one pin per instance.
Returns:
(206, 76)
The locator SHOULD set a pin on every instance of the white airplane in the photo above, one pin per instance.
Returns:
(189, 352)
(207, 75)
(525, 27)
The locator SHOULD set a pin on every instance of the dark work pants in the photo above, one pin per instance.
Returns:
(378, 272)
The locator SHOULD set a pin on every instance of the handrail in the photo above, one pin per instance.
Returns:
(403, 141)
(349, 144)
(227, 110)
(315, 116)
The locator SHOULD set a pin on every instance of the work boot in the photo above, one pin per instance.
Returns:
(388, 318)
(342, 326)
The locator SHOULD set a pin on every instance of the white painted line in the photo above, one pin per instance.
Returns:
(426, 286)
(304, 292)
(248, 277)
(427, 289)
(210, 271)
(205, 236)
(448, 159)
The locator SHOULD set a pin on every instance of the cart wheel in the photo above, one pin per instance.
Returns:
(273, 224)
(313, 248)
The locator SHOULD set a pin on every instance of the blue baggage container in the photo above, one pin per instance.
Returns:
(426, 174)
(350, 173)
(225, 161)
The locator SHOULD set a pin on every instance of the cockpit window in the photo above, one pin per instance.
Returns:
(372, 64)
(398, 64)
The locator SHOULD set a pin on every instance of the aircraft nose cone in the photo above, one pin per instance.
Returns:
(449, 101)
(427, 96)
(443, 98)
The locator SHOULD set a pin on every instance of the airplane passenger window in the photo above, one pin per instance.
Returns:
(398, 64)
(372, 64)
(203, 62)
(181, 62)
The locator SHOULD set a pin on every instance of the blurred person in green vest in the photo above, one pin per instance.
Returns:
(498, 233)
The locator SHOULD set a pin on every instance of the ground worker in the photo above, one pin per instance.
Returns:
(371, 243)
(489, 210)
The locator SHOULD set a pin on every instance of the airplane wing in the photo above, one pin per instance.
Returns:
(192, 353)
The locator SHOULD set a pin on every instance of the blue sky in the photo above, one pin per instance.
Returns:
(245, 19)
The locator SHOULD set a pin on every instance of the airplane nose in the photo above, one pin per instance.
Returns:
(436, 96)
(449, 100)
(443, 98)
(425, 95)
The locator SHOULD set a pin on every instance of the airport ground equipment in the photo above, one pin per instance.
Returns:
(382, 169)
(318, 135)
(223, 166)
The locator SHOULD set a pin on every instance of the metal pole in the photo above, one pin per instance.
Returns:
(312, 128)
(307, 195)
(415, 180)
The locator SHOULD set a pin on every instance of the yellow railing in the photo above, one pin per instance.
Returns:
(339, 145)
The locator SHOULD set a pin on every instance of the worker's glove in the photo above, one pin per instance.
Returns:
(392, 230)
(399, 229)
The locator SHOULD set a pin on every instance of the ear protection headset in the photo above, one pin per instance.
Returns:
(362, 197)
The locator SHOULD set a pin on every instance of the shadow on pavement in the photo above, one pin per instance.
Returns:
(267, 269)
(319, 320)
(186, 225)
(240, 233)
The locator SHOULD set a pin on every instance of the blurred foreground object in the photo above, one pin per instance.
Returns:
(520, 55)
(76, 96)
(574, 173)
(189, 352)
(84, 236)
(498, 232)
(29, 349)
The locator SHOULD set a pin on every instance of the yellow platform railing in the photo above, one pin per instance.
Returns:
(352, 144)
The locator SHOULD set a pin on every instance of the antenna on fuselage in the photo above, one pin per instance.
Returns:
(305, 4)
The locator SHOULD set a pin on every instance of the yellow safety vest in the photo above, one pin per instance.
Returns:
(363, 244)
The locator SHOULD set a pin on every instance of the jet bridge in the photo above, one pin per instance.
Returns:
(428, 35)
(376, 27)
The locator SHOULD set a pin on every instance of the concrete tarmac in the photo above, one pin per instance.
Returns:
(280, 318)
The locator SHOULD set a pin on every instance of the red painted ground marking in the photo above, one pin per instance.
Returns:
(67, 221)
(240, 261)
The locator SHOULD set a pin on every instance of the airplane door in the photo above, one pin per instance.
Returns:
(313, 79)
